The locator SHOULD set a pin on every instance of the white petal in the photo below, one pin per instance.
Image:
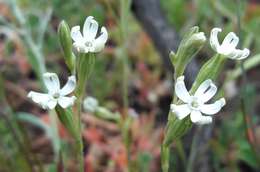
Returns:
(90, 29)
(76, 34)
(181, 111)
(80, 47)
(69, 86)
(51, 82)
(195, 116)
(65, 102)
(203, 87)
(244, 55)
(239, 54)
(39, 98)
(205, 120)
(214, 38)
(99, 43)
(230, 42)
(181, 90)
(214, 108)
(52, 103)
(208, 93)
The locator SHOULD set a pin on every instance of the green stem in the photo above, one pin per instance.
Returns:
(125, 83)
(124, 12)
(193, 150)
(80, 155)
(85, 64)
(56, 141)
(165, 156)
(181, 152)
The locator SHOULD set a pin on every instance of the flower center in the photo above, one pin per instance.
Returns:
(56, 95)
(88, 44)
(194, 103)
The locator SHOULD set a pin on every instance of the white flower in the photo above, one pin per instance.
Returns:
(195, 104)
(90, 104)
(88, 42)
(55, 95)
(228, 46)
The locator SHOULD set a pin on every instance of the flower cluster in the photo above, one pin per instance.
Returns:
(194, 105)
(86, 43)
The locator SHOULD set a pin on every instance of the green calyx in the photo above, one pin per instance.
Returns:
(210, 70)
(66, 118)
(176, 128)
(85, 64)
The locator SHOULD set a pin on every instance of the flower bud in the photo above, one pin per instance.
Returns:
(198, 38)
(192, 42)
(66, 44)
(105, 114)
(90, 104)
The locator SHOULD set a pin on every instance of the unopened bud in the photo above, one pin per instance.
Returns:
(90, 104)
(192, 42)
(66, 44)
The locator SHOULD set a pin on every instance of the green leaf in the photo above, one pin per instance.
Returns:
(66, 118)
(247, 155)
(27, 117)
(144, 160)
(48, 129)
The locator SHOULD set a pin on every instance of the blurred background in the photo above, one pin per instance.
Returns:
(133, 75)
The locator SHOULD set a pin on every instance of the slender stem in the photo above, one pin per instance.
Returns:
(56, 141)
(193, 151)
(85, 63)
(124, 11)
(79, 141)
(181, 152)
